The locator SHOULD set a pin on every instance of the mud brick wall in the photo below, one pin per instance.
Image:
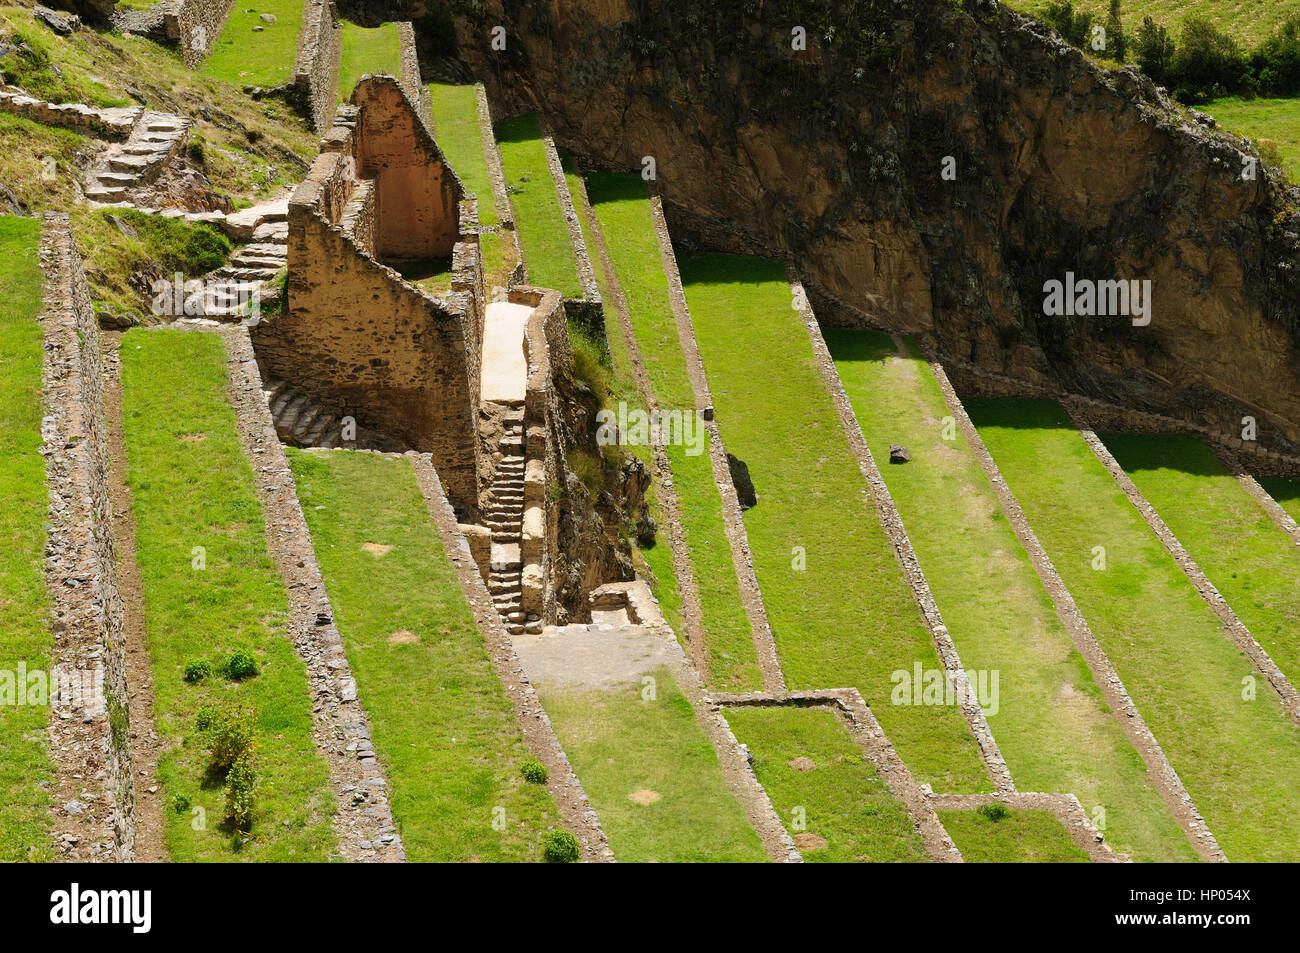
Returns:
(418, 191)
(194, 26)
(316, 68)
(359, 335)
(80, 565)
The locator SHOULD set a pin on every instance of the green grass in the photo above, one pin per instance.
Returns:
(620, 745)
(32, 65)
(442, 724)
(841, 797)
(1285, 492)
(1277, 120)
(244, 56)
(1051, 722)
(848, 618)
(192, 486)
(375, 50)
(623, 209)
(24, 601)
(539, 222)
(1250, 560)
(1246, 21)
(1238, 758)
(456, 127)
(1023, 837)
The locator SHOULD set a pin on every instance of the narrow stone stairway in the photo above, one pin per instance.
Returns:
(156, 137)
(504, 516)
(249, 274)
(300, 420)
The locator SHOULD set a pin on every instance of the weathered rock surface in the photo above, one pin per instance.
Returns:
(831, 159)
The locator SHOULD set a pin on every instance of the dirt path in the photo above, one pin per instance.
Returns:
(146, 747)
(751, 596)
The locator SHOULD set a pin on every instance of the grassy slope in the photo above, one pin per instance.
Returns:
(24, 602)
(244, 56)
(1285, 492)
(849, 618)
(442, 724)
(623, 209)
(1051, 723)
(1275, 119)
(456, 127)
(375, 50)
(1237, 758)
(1246, 21)
(1025, 837)
(654, 563)
(1237, 545)
(843, 798)
(192, 486)
(620, 745)
(538, 219)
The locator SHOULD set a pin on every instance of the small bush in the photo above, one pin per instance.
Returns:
(241, 787)
(197, 670)
(559, 847)
(994, 812)
(180, 803)
(534, 771)
(195, 150)
(241, 665)
(228, 732)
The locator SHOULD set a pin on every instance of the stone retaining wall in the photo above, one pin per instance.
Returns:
(588, 311)
(114, 124)
(316, 67)
(412, 82)
(194, 26)
(89, 737)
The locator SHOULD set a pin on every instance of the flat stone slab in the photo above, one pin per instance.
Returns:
(594, 657)
(504, 377)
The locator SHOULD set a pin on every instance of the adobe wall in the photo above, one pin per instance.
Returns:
(399, 361)
(194, 25)
(418, 191)
(88, 741)
(316, 67)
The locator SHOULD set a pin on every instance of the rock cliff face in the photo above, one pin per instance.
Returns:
(831, 158)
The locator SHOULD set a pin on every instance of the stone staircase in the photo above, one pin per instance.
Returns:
(249, 273)
(154, 140)
(300, 420)
(504, 516)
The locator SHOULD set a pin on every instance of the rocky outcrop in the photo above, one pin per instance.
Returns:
(833, 158)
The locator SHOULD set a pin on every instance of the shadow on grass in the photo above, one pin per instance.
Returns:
(524, 128)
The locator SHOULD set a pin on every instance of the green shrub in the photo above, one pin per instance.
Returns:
(180, 803)
(195, 150)
(176, 245)
(197, 670)
(534, 771)
(241, 665)
(241, 787)
(559, 847)
(228, 732)
(994, 812)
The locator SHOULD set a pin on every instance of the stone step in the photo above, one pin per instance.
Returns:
(325, 426)
(306, 420)
(116, 178)
(125, 163)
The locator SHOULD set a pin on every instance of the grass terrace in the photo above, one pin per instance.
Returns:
(1237, 757)
(247, 56)
(456, 125)
(25, 770)
(1049, 718)
(1273, 123)
(539, 221)
(812, 769)
(840, 608)
(1247, 21)
(210, 588)
(442, 725)
(375, 50)
(622, 207)
(1285, 492)
(652, 774)
(1250, 560)
(1022, 837)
